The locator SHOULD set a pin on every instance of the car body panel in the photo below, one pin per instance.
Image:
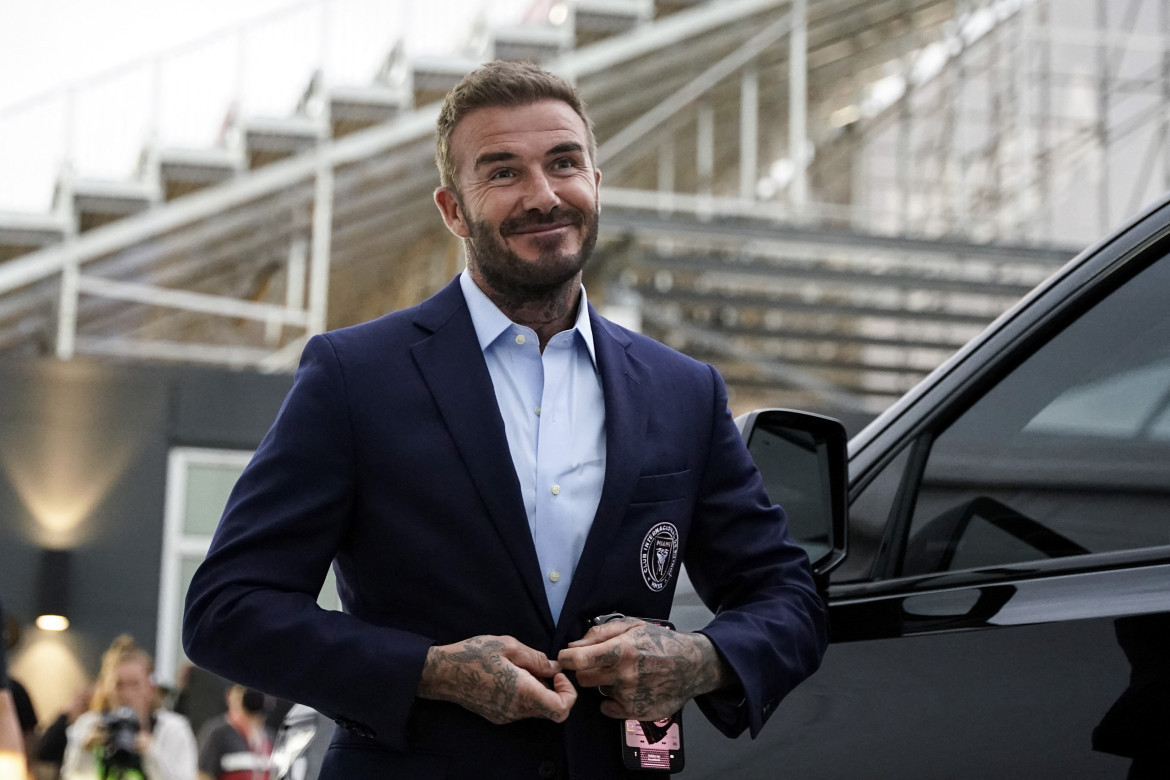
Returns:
(1053, 658)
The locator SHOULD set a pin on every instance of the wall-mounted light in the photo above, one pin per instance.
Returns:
(52, 594)
(558, 14)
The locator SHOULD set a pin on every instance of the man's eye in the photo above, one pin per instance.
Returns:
(503, 173)
(564, 162)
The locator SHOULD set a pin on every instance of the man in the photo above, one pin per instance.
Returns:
(236, 745)
(489, 471)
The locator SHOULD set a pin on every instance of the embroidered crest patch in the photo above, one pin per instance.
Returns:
(659, 556)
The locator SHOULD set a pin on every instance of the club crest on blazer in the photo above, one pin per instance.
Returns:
(659, 555)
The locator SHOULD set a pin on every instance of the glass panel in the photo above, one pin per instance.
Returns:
(187, 566)
(796, 479)
(868, 516)
(208, 487)
(1068, 455)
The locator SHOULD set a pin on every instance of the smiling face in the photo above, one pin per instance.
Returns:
(525, 197)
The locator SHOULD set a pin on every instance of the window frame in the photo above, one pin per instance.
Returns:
(178, 545)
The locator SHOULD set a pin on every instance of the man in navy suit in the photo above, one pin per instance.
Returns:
(487, 472)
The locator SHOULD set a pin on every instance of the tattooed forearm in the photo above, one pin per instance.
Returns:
(672, 668)
(476, 677)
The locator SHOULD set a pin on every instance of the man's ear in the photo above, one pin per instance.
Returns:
(452, 212)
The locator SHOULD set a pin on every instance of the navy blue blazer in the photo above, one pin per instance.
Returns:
(388, 460)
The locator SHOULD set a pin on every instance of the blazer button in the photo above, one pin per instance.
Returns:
(547, 770)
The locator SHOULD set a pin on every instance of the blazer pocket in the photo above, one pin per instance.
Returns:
(652, 488)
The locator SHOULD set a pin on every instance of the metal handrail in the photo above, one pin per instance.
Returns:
(191, 95)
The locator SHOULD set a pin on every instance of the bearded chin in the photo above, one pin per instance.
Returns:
(527, 280)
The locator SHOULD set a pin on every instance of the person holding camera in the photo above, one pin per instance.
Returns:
(126, 735)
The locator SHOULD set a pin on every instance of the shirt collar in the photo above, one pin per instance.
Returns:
(490, 322)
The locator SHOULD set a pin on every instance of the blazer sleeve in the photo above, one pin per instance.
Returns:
(770, 625)
(251, 611)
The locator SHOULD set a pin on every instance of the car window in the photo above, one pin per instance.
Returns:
(869, 514)
(1067, 455)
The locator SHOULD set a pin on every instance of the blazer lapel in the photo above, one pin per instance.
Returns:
(625, 425)
(454, 369)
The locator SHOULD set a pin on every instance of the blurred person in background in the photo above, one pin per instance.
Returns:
(238, 744)
(26, 713)
(51, 747)
(200, 696)
(13, 763)
(126, 734)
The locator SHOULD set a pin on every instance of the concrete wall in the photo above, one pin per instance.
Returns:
(83, 467)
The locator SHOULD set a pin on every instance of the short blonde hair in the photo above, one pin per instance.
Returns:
(502, 83)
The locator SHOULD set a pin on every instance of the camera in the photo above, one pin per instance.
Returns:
(121, 726)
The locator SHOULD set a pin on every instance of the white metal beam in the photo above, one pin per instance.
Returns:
(27, 269)
(610, 153)
(798, 104)
(663, 34)
(749, 132)
(232, 356)
(186, 300)
(322, 239)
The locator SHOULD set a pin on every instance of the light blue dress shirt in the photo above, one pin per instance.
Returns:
(554, 416)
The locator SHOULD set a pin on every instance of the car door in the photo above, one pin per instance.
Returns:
(1004, 608)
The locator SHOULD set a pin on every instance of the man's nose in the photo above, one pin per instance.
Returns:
(540, 193)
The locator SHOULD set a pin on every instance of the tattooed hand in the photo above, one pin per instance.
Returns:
(499, 678)
(648, 672)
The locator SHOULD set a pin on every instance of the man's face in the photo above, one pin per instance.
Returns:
(133, 688)
(525, 195)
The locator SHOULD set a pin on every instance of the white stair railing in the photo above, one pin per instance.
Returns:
(193, 95)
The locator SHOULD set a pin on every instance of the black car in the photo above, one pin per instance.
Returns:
(1000, 595)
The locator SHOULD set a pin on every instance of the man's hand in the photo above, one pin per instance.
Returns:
(499, 678)
(647, 672)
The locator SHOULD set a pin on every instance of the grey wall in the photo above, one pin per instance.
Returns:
(83, 466)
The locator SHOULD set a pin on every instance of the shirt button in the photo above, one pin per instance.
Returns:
(538, 411)
(547, 770)
(520, 339)
(554, 576)
(556, 490)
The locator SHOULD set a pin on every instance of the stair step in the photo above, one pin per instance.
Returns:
(433, 77)
(537, 43)
(24, 233)
(595, 20)
(663, 8)
(182, 171)
(353, 108)
(270, 139)
(97, 202)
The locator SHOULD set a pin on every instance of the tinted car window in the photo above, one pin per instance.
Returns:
(869, 514)
(1067, 455)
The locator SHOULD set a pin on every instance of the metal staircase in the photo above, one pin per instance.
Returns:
(741, 221)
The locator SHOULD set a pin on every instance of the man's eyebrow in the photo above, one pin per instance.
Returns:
(493, 157)
(567, 146)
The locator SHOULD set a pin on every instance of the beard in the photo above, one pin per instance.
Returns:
(518, 280)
